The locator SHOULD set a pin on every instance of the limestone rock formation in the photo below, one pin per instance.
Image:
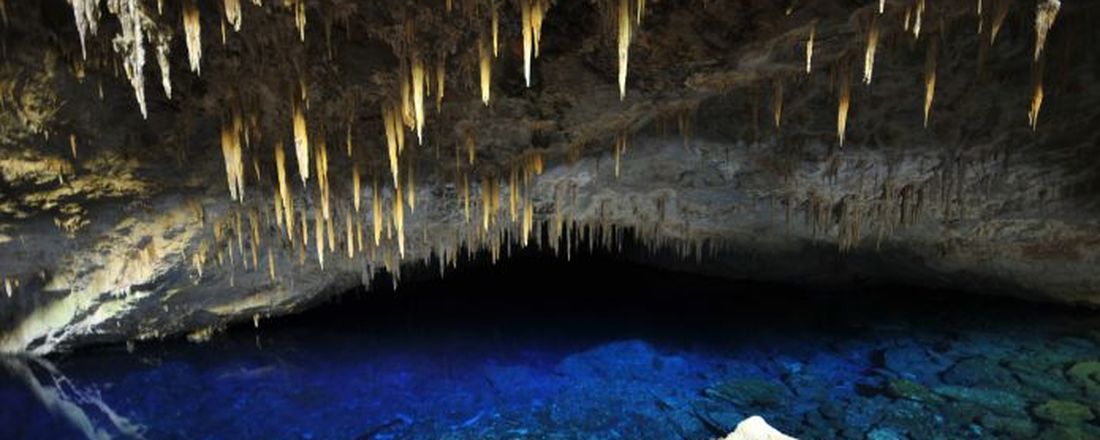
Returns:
(731, 137)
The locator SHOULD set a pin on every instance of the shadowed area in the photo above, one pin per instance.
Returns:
(520, 350)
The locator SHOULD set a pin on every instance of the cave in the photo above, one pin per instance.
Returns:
(549, 219)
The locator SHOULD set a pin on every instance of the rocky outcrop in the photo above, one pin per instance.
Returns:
(724, 156)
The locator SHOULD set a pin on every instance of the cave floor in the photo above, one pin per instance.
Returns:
(814, 366)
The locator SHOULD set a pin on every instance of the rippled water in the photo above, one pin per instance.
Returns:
(666, 357)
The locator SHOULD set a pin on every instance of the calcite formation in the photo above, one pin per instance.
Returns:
(124, 219)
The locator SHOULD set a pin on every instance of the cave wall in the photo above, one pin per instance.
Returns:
(722, 154)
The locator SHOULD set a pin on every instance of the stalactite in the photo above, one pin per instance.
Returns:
(842, 105)
(929, 80)
(495, 18)
(513, 200)
(618, 150)
(300, 18)
(777, 103)
(72, 145)
(233, 13)
(881, 6)
(466, 198)
(418, 87)
(471, 145)
(349, 243)
(376, 210)
(408, 113)
(270, 264)
(869, 55)
(810, 49)
(528, 39)
(331, 234)
(1046, 11)
(319, 229)
(321, 162)
(192, 29)
(198, 260)
(284, 190)
(528, 220)
(399, 220)
(234, 163)
(624, 44)
(239, 231)
(162, 42)
(1036, 96)
(538, 13)
(355, 186)
(918, 18)
(485, 68)
(359, 233)
(130, 43)
(392, 124)
(486, 204)
(1000, 12)
(301, 140)
(86, 15)
(981, 17)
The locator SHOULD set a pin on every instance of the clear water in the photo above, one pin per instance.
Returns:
(669, 357)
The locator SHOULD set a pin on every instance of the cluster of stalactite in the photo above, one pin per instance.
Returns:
(139, 28)
(421, 74)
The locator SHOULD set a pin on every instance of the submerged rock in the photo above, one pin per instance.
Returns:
(1086, 374)
(1000, 402)
(1011, 427)
(1064, 412)
(749, 392)
(883, 433)
(979, 372)
(906, 389)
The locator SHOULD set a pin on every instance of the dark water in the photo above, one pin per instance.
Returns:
(598, 349)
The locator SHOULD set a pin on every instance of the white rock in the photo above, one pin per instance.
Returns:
(755, 428)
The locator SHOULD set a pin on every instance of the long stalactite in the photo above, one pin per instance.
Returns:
(624, 44)
(192, 28)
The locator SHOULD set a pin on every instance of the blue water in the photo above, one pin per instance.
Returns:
(664, 365)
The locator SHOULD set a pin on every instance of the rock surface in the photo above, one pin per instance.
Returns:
(115, 226)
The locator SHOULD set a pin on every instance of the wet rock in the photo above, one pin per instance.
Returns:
(1063, 412)
(885, 434)
(979, 372)
(1000, 402)
(1079, 432)
(1086, 374)
(861, 414)
(685, 423)
(913, 419)
(1040, 385)
(807, 387)
(1010, 427)
(913, 363)
(910, 390)
(717, 418)
(749, 392)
